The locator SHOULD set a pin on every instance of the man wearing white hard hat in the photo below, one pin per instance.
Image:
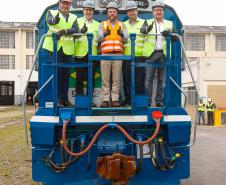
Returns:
(112, 34)
(133, 25)
(86, 24)
(155, 51)
(210, 106)
(63, 24)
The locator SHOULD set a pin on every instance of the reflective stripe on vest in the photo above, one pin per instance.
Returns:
(210, 107)
(201, 107)
(81, 43)
(150, 41)
(139, 42)
(112, 43)
(66, 42)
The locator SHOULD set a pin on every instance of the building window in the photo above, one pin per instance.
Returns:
(29, 40)
(7, 61)
(195, 42)
(7, 39)
(29, 61)
(192, 95)
(220, 43)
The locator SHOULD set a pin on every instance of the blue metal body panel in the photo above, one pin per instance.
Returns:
(46, 125)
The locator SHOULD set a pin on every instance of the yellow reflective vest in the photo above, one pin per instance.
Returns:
(210, 107)
(139, 42)
(201, 107)
(150, 41)
(81, 43)
(66, 42)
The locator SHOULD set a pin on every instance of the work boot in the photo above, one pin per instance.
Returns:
(160, 104)
(105, 104)
(115, 104)
(64, 103)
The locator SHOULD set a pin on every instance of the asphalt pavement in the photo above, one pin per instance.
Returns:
(208, 157)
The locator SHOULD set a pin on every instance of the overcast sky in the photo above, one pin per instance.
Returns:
(191, 12)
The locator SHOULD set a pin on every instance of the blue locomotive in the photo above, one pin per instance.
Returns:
(86, 145)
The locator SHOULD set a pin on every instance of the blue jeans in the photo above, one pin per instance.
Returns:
(157, 57)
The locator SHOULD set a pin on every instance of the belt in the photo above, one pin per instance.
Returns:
(160, 50)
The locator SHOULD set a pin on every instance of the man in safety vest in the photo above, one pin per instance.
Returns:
(155, 50)
(201, 112)
(63, 24)
(112, 34)
(210, 109)
(133, 25)
(89, 25)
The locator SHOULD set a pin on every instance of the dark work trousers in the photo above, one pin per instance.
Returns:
(210, 117)
(82, 75)
(157, 57)
(63, 74)
(201, 114)
(139, 79)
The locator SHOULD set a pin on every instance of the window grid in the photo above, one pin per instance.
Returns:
(7, 39)
(220, 43)
(29, 61)
(195, 42)
(7, 61)
(29, 40)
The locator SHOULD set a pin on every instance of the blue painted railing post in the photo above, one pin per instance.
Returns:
(167, 77)
(55, 72)
(90, 73)
(133, 77)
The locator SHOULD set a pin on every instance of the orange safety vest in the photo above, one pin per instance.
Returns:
(113, 42)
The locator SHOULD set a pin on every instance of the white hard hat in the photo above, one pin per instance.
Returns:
(88, 4)
(112, 4)
(131, 5)
(158, 3)
(209, 99)
(70, 1)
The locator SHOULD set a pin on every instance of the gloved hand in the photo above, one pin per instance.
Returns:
(107, 32)
(56, 19)
(149, 28)
(120, 32)
(60, 33)
(143, 28)
(84, 29)
(165, 33)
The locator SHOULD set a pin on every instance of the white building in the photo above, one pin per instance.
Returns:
(206, 52)
(16, 56)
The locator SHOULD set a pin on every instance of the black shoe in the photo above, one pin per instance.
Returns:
(105, 104)
(65, 103)
(159, 104)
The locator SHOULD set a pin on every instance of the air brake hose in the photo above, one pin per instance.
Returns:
(156, 116)
(141, 142)
(88, 147)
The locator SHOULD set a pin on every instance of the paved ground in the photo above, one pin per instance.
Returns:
(208, 157)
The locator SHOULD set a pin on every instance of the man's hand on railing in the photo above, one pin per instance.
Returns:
(84, 29)
(60, 33)
(165, 33)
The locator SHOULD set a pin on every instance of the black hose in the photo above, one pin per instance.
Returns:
(169, 163)
(139, 168)
(154, 158)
